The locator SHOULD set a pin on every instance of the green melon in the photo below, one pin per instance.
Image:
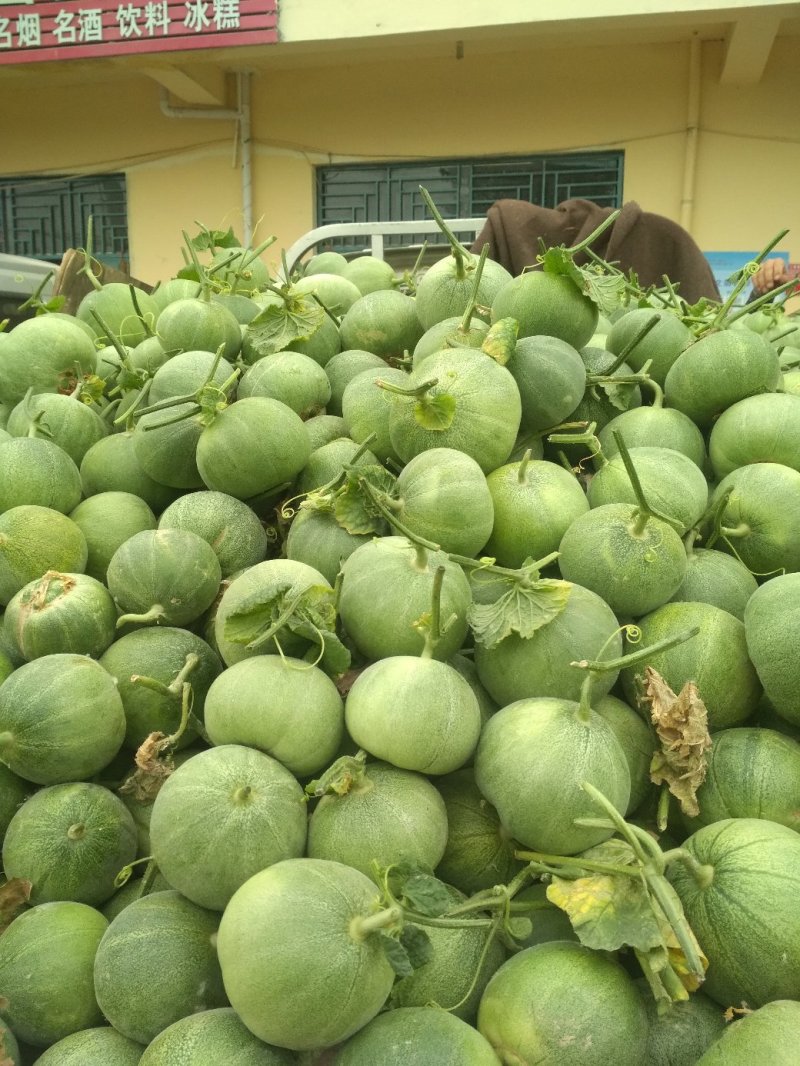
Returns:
(107, 520)
(442, 495)
(548, 305)
(149, 667)
(165, 446)
(227, 524)
(61, 719)
(384, 323)
(560, 1004)
(365, 408)
(175, 289)
(637, 741)
(316, 539)
(715, 659)
(765, 1035)
(287, 709)
(448, 334)
(661, 345)
(197, 324)
(13, 792)
(682, 1032)
(716, 578)
(212, 1036)
(183, 374)
(760, 429)
(321, 346)
(718, 370)
(70, 423)
(61, 613)
(379, 814)
(746, 917)
(532, 759)
(102, 1046)
(447, 288)
(329, 461)
(551, 378)
(169, 576)
(468, 402)
(46, 971)
(324, 428)
(343, 367)
(534, 503)
(33, 540)
(275, 581)
(128, 312)
(42, 354)
(752, 773)
(303, 965)
(70, 841)
(479, 853)
(518, 668)
(602, 401)
(417, 1036)
(761, 520)
(416, 713)
(335, 291)
(771, 621)
(634, 563)
(148, 355)
(111, 466)
(654, 427)
(221, 817)
(36, 471)
(325, 263)
(257, 445)
(157, 963)
(291, 377)
(673, 485)
(387, 586)
(239, 269)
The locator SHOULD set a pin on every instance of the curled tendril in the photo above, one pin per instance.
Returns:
(633, 634)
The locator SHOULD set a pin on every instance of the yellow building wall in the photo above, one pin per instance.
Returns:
(401, 106)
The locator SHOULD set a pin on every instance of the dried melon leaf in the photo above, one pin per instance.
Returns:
(681, 724)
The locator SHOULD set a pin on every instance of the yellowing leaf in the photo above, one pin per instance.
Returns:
(501, 340)
(681, 723)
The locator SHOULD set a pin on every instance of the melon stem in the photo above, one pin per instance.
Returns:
(749, 269)
(460, 253)
(434, 631)
(741, 530)
(639, 656)
(362, 925)
(466, 318)
(702, 872)
(155, 613)
(417, 392)
(523, 466)
(76, 831)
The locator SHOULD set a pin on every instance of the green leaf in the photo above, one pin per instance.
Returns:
(353, 507)
(208, 240)
(522, 609)
(310, 614)
(605, 290)
(501, 340)
(396, 954)
(417, 944)
(620, 396)
(297, 317)
(427, 895)
(340, 777)
(189, 273)
(435, 412)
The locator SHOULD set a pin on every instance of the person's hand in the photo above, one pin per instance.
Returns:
(770, 275)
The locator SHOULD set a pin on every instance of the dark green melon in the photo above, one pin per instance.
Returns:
(61, 613)
(111, 465)
(107, 520)
(384, 323)
(226, 523)
(71, 424)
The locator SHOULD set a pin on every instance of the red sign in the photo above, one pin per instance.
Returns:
(83, 29)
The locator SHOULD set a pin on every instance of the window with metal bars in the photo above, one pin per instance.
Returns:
(42, 217)
(461, 188)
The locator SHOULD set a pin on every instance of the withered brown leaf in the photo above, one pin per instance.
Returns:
(154, 764)
(14, 894)
(681, 723)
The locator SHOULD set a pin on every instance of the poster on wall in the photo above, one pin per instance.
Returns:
(42, 30)
(725, 265)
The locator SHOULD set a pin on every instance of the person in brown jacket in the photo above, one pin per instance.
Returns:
(651, 245)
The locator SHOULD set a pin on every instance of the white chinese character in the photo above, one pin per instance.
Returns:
(156, 17)
(63, 30)
(196, 17)
(5, 34)
(128, 19)
(91, 24)
(29, 30)
(226, 14)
